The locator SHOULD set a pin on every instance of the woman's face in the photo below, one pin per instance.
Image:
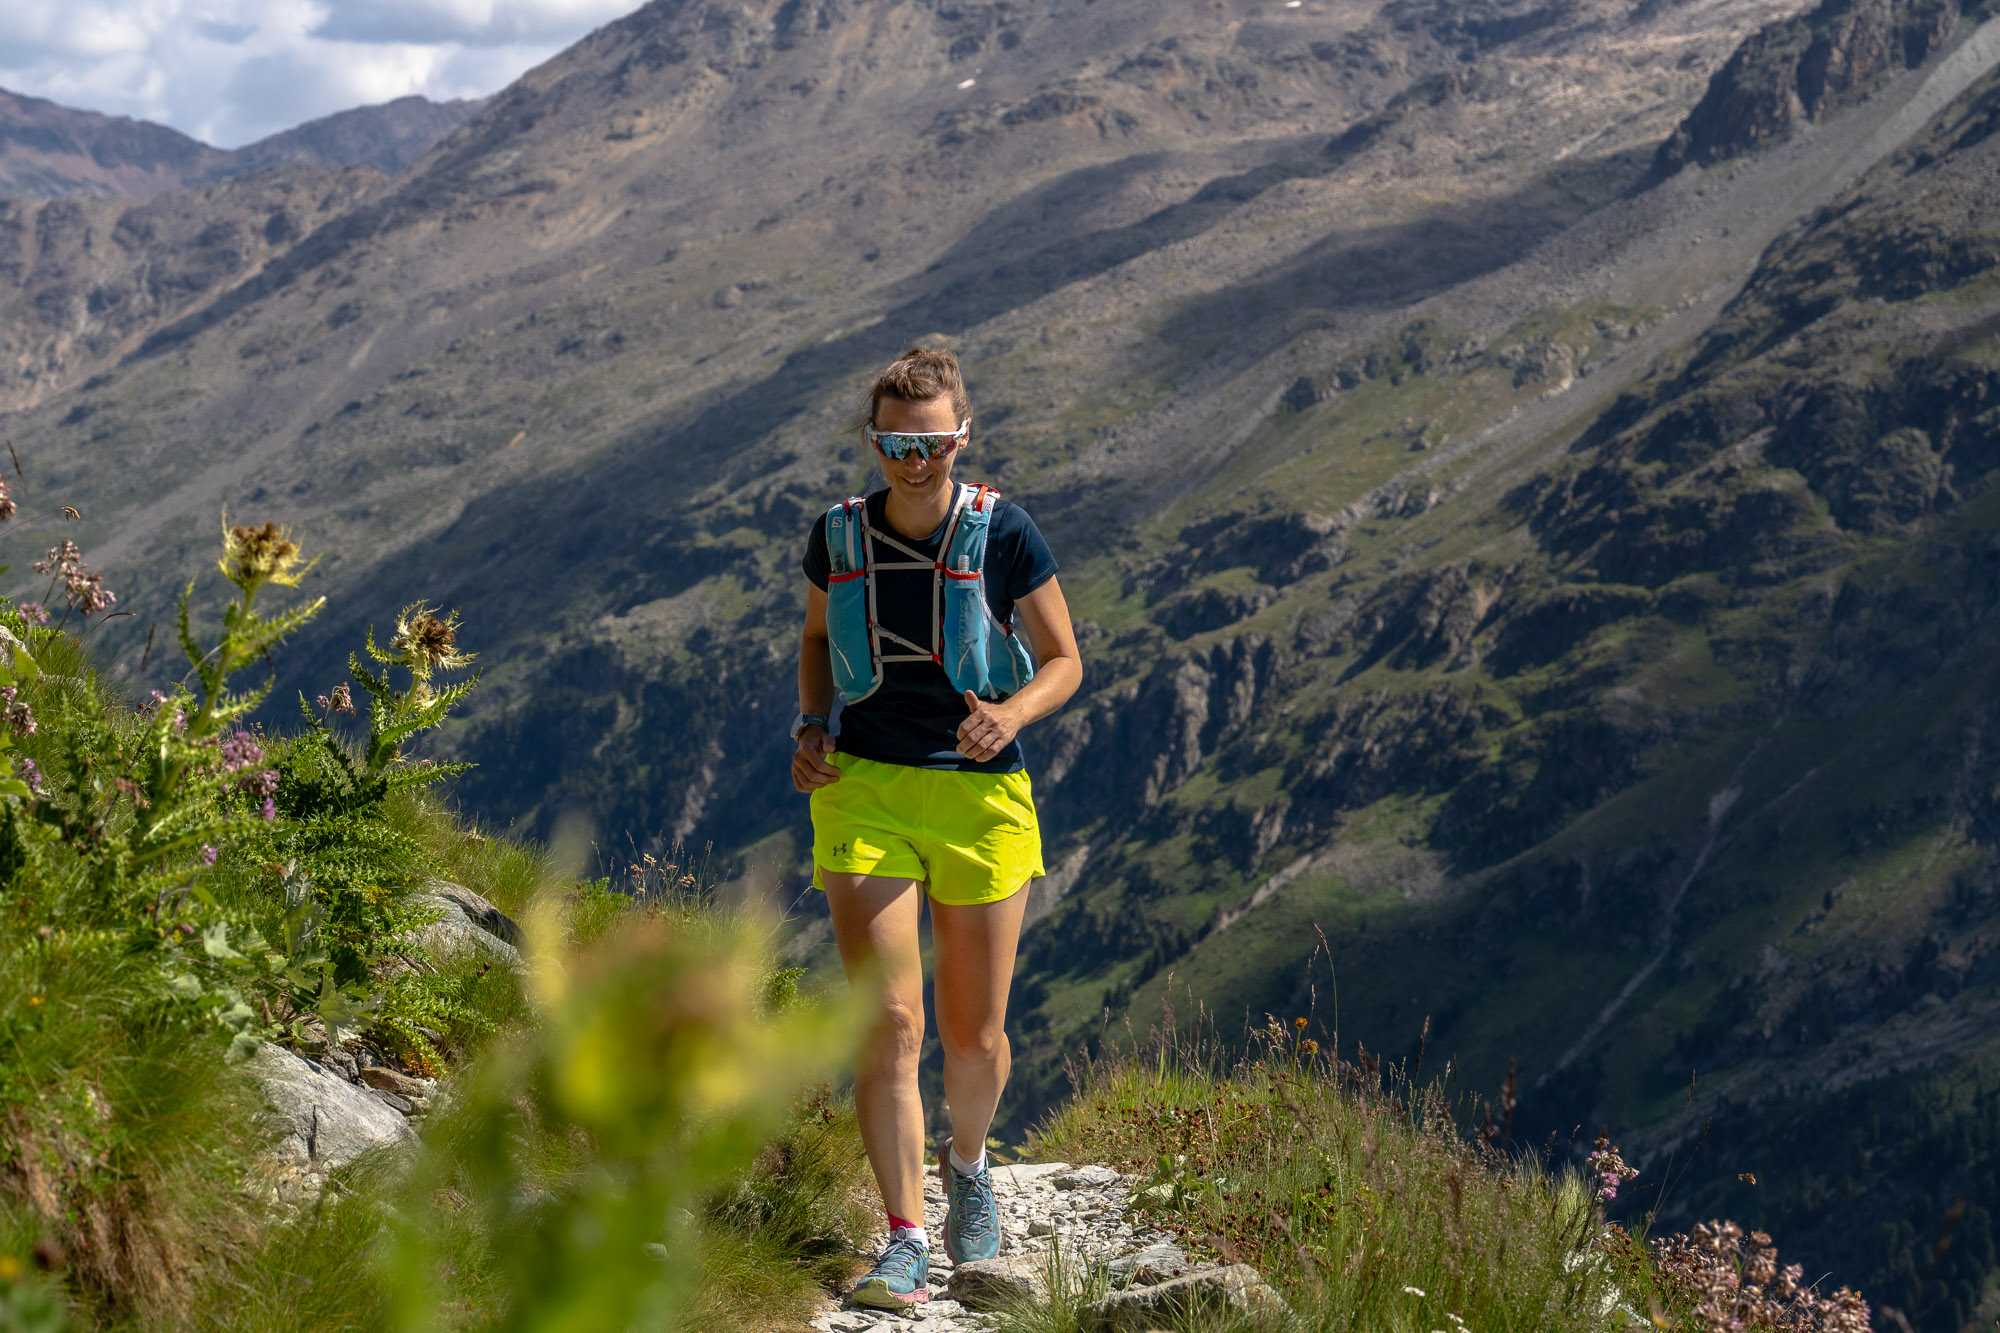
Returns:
(916, 477)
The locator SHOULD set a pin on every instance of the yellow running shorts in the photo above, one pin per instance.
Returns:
(972, 836)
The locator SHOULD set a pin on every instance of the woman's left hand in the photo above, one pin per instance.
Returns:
(989, 729)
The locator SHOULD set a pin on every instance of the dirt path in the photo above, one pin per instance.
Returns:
(1042, 1205)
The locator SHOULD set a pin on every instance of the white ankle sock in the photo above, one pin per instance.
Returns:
(917, 1234)
(963, 1167)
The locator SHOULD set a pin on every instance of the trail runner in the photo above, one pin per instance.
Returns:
(924, 793)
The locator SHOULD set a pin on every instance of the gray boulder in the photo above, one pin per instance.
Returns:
(1208, 1292)
(327, 1122)
(467, 923)
(1155, 1263)
(1087, 1177)
(995, 1284)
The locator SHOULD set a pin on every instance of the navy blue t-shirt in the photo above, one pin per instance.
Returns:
(913, 718)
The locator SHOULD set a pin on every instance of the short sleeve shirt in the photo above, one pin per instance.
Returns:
(913, 718)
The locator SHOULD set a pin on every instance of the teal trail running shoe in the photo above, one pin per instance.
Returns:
(971, 1218)
(899, 1279)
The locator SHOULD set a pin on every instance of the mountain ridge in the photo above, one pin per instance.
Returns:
(52, 151)
(1462, 510)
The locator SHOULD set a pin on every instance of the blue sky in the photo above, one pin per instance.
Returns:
(230, 71)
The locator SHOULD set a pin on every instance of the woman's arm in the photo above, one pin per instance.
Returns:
(815, 656)
(809, 769)
(1058, 665)
(991, 727)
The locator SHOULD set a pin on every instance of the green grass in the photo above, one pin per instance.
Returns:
(1352, 1190)
(660, 1053)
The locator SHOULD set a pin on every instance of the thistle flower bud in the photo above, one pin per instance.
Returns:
(426, 641)
(253, 556)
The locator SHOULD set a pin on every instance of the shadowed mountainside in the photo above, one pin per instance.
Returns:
(1568, 586)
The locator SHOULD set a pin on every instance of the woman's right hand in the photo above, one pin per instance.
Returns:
(810, 770)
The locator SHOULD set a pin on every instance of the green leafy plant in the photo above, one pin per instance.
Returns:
(423, 645)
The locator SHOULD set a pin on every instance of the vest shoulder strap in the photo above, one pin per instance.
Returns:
(964, 551)
(843, 525)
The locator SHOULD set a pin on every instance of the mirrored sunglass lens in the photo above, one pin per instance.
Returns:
(900, 446)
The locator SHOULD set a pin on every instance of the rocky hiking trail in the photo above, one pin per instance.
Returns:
(1085, 1211)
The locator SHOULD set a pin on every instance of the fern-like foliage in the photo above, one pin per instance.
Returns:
(424, 644)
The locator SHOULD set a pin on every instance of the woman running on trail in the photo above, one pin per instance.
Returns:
(926, 793)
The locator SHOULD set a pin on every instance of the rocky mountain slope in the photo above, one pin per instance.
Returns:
(51, 151)
(1522, 473)
(46, 150)
(389, 137)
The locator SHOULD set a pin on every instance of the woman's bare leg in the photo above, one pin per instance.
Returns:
(975, 969)
(875, 925)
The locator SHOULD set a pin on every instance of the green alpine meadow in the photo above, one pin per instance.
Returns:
(1525, 851)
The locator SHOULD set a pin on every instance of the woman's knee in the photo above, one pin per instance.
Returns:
(972, 1041)
(898, 1034)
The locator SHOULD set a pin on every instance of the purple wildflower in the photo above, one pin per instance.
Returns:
(240, 750)
(269, 810)
(25, 768)
(1609, 1167)
(83, 587)
(62, 557)
(34, 613)
(87, 593)
(208, 854)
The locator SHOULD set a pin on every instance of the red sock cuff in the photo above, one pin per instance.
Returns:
(895, 1221)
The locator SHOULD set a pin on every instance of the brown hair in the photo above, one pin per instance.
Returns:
(920, 374)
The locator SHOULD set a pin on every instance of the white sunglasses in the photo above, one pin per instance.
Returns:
(899, 444)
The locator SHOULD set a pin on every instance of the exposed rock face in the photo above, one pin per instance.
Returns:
(995, 1284)
(1211, 1292)
(82, 278)
(327, 1122)
(48, 150)
(1798, 70)
(467, 922)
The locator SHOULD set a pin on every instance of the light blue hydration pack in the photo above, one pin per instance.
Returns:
(976, 651)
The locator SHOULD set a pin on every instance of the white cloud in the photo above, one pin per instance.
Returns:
(473, 22)
(230, 71)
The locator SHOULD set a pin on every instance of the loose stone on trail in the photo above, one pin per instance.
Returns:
(1082, 1210)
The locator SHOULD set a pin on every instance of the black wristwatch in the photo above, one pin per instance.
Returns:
(804, 720)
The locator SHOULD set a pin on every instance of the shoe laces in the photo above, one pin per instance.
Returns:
(901, 1257)
(975, 1205)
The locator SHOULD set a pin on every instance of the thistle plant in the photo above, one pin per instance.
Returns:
(192, 771)
(423, 644)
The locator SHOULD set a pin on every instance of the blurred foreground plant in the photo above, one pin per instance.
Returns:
(654, 1074)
